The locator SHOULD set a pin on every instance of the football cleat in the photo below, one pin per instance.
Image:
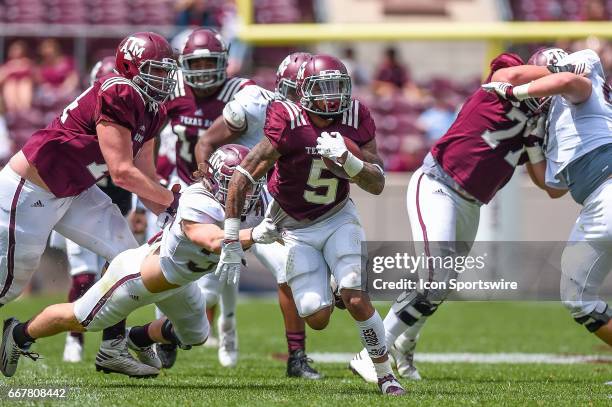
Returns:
(146, 355)
(73, 350)
(167, 353)
(10, 351)
(212, 342)
(228, 342)
(298, 365)
(114, 357)
(362, 365)
(389, 386)
(404, 363)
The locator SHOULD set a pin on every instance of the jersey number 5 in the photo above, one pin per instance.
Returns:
(315, 181)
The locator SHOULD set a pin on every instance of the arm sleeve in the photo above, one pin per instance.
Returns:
(121, 104)
(275, 125)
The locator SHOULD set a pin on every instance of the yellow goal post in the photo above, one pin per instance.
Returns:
(495, 34)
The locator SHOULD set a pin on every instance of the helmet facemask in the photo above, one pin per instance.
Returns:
(326, 94)
(286, 89)
(156, 79)
(204, 78)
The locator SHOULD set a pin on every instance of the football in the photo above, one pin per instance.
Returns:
(337, 169)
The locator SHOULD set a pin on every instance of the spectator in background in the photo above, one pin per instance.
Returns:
(358, 74)
(393, 76)
(57, 77)
(438, 118)
(594, 10)
(195, 13)
(16, 78)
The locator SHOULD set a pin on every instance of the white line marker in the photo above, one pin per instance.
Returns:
(487, 358)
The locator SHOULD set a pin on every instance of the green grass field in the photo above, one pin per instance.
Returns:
(198, 380)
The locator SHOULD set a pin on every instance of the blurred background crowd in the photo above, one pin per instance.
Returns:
(48, 46)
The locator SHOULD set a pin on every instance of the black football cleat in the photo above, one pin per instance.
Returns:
(298, 366)
(167, 352)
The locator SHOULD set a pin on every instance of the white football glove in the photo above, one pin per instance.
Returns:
(265, 232)
(230, 262)
(331, 145)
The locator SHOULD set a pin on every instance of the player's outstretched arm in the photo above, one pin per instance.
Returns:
(574, 88)
(116, 146)
(209, 236)
(371, 178)
(145, 162)
(255, 165)
(518, 75)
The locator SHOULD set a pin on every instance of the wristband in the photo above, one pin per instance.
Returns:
(521, 92)
(535, 154)
(231, 228)
(352, 165)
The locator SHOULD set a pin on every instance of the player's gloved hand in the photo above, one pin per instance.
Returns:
(503, 90)
(167, 216)
(580, 68)
(232, 258)
(331, 145)
(265, 232)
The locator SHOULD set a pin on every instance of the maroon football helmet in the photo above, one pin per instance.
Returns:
(221, 166)
(147, 60)
(543, 57)
(286, 75)
(324, 85)
(104, 66)
(204, 44)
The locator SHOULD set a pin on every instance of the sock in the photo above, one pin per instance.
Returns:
(296, 341)
(372, 333)
(21, 336)
(406, 342)
(394, 327)
(229, 298)
(139, 335)
(114, 332)
(383, 369)
(80, 284)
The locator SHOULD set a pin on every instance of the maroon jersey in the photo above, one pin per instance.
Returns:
(299, 181)
(485, 143)
(66, 153)
(190, 117)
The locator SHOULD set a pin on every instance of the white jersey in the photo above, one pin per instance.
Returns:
(254, 100)
(182, 261)
(574, 130)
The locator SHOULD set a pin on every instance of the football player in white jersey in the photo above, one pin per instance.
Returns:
(578, 159)
(242, 123)
(162, 272)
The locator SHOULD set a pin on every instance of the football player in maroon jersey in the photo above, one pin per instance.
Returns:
(311, 204)
(50, 183)
(242, 123)
(464, 170)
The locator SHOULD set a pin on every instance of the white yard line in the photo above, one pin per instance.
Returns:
(493, 358)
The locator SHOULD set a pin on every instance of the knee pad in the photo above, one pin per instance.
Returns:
(309, 303)
(595, 320)
(412, 306)
(348, 272)
(211, 289)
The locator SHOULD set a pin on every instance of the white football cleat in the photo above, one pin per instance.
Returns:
(114, 357)
(73, 350)
(362, 365)
(146, 355)
(389, 386)
(228, 342)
